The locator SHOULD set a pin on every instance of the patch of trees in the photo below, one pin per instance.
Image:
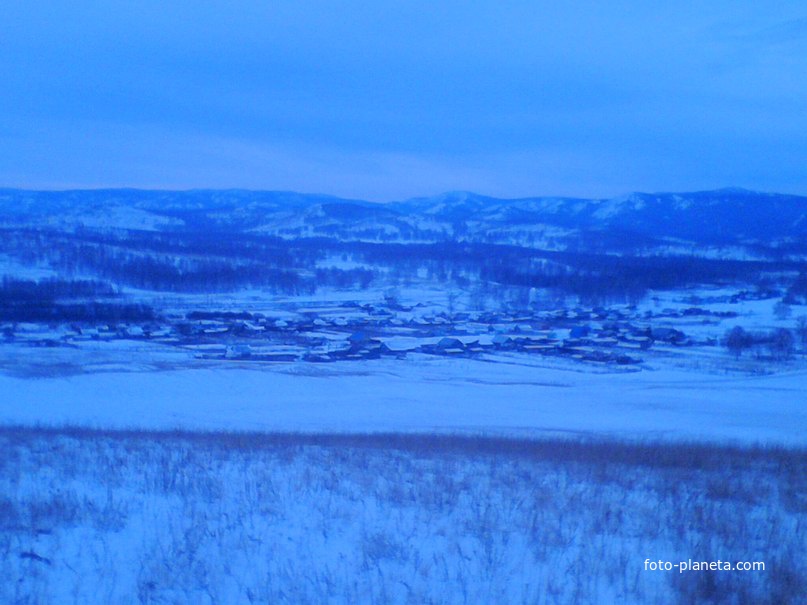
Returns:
(210, 261)
(797, 293)
(604, 278)
(341, 278)
(22, 290)
(187, 262)
(91, 312)
(43, 301)
(271, 250)
(780, 343)
(169, 275)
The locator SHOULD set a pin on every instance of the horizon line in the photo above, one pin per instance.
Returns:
(101, 189)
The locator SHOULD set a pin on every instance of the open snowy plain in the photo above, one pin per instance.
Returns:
(505, 395)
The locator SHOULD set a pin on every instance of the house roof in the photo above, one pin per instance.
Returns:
(450, 343)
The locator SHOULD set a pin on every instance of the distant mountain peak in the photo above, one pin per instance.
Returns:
(736, 191)
(458, 195)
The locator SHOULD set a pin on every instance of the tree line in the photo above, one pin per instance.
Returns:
(780, 342)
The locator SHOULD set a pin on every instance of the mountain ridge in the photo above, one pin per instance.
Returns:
(725, 217)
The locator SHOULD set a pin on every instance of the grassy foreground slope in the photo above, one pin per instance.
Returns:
(165, 517)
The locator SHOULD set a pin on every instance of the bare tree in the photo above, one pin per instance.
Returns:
(737, 340)
(782, 310)
(801, 332)
(781, 343)
(452, 295)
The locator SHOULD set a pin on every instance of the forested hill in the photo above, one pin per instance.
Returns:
(638, 221)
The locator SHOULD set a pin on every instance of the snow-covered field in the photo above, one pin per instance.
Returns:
(423, 394)
(104, 517)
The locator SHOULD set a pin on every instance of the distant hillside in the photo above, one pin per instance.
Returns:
(638, 221)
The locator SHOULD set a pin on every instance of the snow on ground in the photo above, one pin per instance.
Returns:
(10, 267)
(124, 217)
(159, 518)
(422, 394)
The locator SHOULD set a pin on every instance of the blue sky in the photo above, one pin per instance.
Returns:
(386, 100)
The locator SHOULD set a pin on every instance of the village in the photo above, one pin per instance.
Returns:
(350, 331)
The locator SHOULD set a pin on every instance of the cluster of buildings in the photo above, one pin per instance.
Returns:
(606, 336)
(350, 331)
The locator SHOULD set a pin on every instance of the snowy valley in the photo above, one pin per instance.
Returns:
(261, 397)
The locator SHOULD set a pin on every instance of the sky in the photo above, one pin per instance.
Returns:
(386, 100)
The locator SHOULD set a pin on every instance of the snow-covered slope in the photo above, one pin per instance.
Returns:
(725, 217)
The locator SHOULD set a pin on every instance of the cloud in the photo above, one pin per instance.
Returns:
(389, 99)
